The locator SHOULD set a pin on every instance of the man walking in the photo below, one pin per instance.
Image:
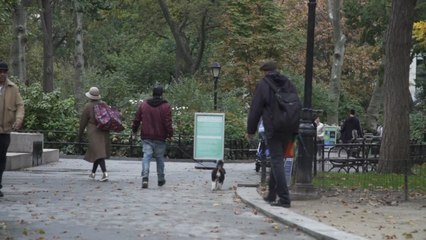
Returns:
(277, 139)
(155, 115)
(351, 128)
(11, 115)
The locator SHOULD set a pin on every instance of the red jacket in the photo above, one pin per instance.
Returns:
(155, 115)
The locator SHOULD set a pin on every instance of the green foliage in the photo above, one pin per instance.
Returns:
(417, 126)
(50, 111)
(370, 16)
(190, 96)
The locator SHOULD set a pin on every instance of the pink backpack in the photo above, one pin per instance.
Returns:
(108, 118)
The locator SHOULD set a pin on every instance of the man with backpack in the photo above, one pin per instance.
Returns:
(155, 116)
(266, 105)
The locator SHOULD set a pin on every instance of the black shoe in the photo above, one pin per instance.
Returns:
(280, 204)
(269, 199)
(1, 194)
(144, 182)
(161, 183)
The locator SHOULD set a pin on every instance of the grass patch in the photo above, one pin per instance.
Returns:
(373, 180)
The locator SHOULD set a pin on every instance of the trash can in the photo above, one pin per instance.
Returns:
(37, 153)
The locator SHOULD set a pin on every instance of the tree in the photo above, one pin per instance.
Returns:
(395, 144)
(186, 63)
(19, 64)
(334, 8)
(47, 26)
(79, 53)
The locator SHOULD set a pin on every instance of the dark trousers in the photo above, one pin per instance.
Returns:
(4, 145)
(99, 162)
(277, 183)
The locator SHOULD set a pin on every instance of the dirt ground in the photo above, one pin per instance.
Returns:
(371, 214)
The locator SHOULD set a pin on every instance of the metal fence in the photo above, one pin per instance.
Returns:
(357, 167)
(126, 145)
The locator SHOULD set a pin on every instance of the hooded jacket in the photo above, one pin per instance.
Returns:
(155, 115)
(261, 106)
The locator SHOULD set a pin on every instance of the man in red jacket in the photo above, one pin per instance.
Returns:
(155, 116)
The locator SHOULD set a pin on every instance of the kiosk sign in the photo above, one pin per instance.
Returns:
(209, 136)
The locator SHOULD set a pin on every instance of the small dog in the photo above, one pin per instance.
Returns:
(218, 176)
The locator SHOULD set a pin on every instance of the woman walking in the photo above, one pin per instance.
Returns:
(99, 142)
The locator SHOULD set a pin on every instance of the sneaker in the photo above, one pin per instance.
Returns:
(1, 194)
(161, 182)
(92, 176)
(104, 177)
(280, 204)
(144, 182)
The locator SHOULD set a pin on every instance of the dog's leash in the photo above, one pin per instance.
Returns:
(190, 157)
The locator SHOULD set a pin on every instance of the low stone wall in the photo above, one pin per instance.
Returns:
(26, 150)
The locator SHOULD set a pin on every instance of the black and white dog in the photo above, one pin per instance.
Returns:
(218, 176)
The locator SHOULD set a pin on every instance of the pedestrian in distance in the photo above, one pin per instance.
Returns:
(11, 115)
(278, 139)
(351, 128)
(99, 147)
(154, 115)
(320, 132)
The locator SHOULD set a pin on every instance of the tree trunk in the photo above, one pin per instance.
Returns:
(374, 110)
(19, 64)
(185, 64)
(46, 22)
(338, 56)
(79, 55)
(395, 145)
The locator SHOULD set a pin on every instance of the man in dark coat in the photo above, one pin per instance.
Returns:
(277, 140)
(155, 115)
(351, 128)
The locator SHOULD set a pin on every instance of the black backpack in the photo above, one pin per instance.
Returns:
(286, 109)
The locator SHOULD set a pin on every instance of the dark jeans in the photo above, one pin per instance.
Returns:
(4, 145)
(277, 183)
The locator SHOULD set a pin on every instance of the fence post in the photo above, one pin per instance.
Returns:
(406, 180)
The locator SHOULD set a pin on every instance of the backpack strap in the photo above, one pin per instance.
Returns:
(272, 84)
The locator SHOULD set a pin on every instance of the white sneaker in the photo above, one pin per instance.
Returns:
(92, 176)
(104, 177)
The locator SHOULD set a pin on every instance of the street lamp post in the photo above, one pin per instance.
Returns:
(215, 68)
(303, 188)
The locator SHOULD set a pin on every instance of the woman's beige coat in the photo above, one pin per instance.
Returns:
(99, 142)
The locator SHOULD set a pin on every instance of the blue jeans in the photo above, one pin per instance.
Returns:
(156, 149)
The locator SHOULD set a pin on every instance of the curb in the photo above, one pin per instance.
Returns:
(250, 196)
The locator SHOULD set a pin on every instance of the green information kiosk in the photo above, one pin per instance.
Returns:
(209, 139)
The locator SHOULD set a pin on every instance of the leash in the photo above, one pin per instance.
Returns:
(190, 157)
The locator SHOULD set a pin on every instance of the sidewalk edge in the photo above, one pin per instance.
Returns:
(318, 230)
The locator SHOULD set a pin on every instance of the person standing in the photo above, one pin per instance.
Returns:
(11, 115)
(99, 147)
(351, 128)
(320, 129)
(155, 116)
(261, 107)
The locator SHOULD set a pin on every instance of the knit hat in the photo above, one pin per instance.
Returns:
(269, 65)
(3, 66)
(157, 91)
(93, 93)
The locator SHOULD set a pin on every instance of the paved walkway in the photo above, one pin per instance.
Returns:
(59, 201)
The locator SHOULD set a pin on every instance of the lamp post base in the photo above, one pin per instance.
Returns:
(304, 191)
